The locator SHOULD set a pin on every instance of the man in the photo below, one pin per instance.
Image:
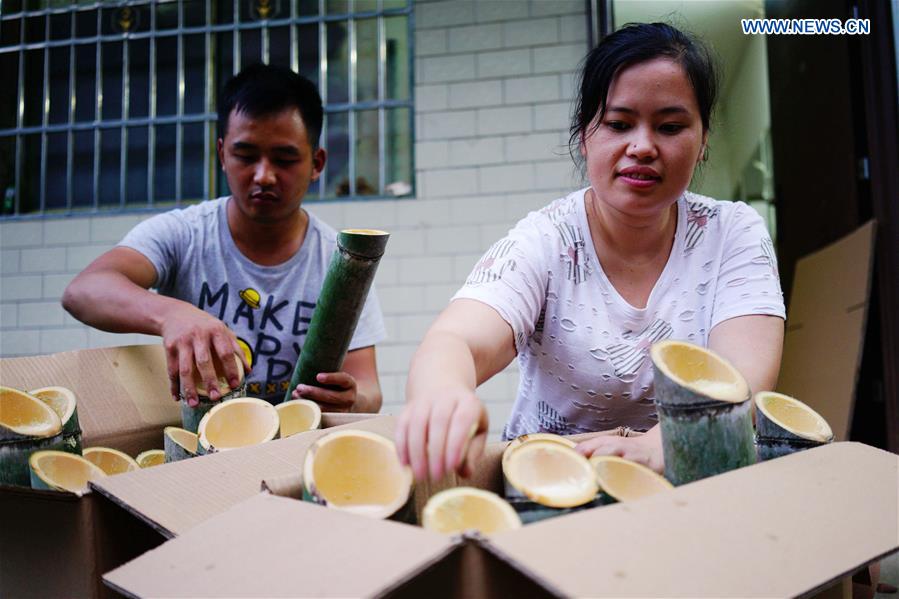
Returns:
(239, 274)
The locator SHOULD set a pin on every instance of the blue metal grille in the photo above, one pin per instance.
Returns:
(112, 104)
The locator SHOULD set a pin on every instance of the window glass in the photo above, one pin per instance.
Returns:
(34, 83)
(194, 12)
(366, 60)
(338, 59)
(367, 163)
(164, 169)
(85, 23)
(337, 168)
(110, 167)
(112, 80)
(192, 150)
(9, 65)
(334, 7)
(250, 47)
(61, 26)
(138, 145)
(397, 58)
(85, 82)
(35, 29)
(7, 175)
(138, 78)
(30, 182)
(398, 123)
(139, 105)
(59, 85)
(279, 46)
(10, 33)
(307, 52)
(83, 169)
(194, 75)
(55, 193)
(166, 76)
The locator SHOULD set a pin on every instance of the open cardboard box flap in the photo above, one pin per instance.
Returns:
(270, 546)
(123, 392)
(825, 327)
(781, 528)
(176, 497)
(123, 403)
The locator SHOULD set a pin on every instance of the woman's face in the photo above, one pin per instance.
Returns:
(641, 157)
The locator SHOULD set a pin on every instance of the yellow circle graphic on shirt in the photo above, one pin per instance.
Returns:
(246, 350)
(250, 296)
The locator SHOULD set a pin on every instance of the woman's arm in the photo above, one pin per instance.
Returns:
(753, 344)
(443, 427)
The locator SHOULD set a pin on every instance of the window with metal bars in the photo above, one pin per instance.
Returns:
(110, 106)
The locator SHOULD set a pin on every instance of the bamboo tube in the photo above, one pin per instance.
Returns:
(704, 412)
(14, 455)
(785, 425)
(191, 417)
(339, 306)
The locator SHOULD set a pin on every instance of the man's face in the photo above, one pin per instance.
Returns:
(269, 164)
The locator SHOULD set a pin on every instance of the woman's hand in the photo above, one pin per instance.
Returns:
(441, 433)
(645, 449)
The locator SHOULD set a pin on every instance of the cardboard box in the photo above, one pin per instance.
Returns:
(750, 532)
(58, 544)
(786, 527)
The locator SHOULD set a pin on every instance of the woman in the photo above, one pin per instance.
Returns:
(582, 288)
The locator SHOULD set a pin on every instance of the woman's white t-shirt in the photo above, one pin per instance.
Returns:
(582, 349)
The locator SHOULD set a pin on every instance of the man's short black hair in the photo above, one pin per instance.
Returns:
(261, 90)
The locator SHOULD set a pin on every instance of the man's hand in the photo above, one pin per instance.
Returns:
(341, 397)
(199, 347)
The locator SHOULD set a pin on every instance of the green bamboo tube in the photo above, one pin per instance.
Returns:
(785, 425)
(531, 512)
(349, 277)
(64, 403)
(14, 456)
(180, 444)
(62, 471)
(704, 412)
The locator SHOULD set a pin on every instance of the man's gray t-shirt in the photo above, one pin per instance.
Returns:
(268, 307)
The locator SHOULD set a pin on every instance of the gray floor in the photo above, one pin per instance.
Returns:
(889, 573)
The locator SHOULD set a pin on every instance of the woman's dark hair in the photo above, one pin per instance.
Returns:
(262, 90)
(633, 44)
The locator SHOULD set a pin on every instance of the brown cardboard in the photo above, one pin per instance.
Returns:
(123, 403)
(174, 498)
(56, 544)
(785, 527)
(826, 326)
(123, 392)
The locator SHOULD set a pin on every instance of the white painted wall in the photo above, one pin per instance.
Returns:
(494, 80)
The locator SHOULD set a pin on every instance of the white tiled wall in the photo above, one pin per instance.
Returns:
(494, 80)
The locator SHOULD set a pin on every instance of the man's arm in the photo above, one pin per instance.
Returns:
(112, 294)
